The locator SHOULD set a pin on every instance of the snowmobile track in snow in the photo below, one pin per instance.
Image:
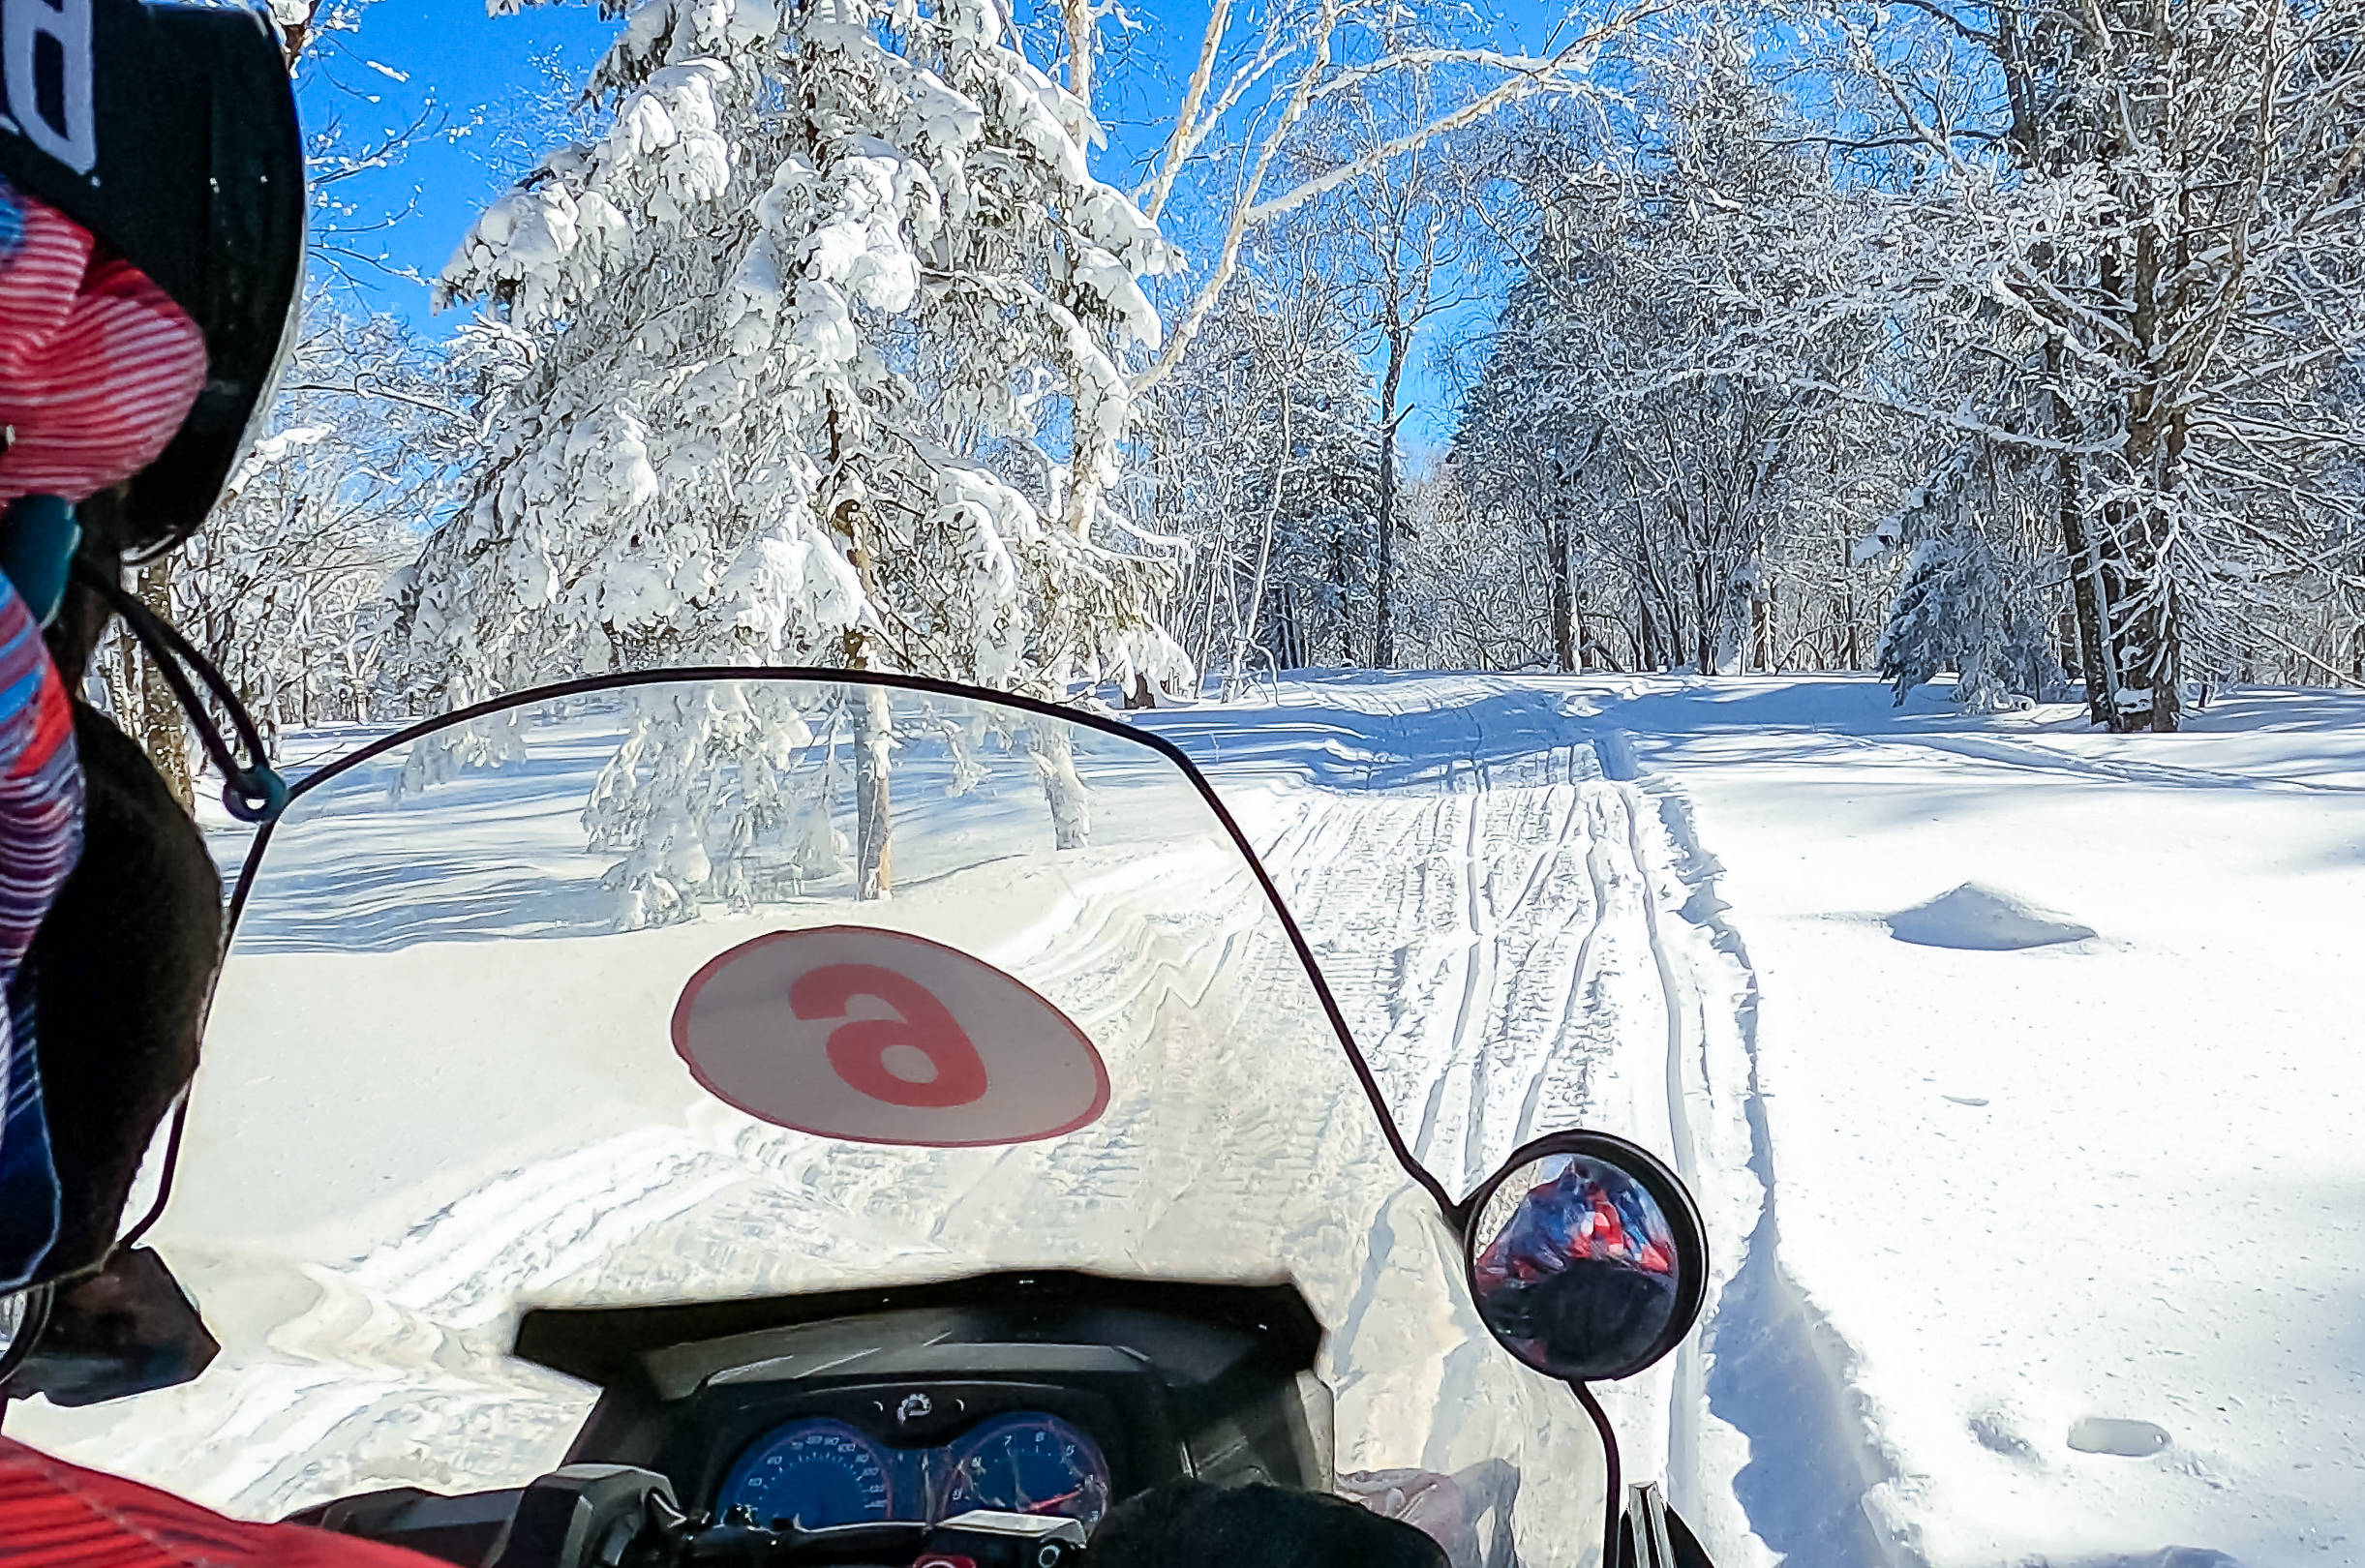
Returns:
(1467, 936)
(1516, 957)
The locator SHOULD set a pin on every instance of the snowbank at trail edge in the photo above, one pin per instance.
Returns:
(2056, 1041)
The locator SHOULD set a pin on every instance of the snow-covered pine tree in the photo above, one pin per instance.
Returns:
(1961, 604)
(829, 327)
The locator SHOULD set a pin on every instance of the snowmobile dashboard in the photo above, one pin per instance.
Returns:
(799, 1429)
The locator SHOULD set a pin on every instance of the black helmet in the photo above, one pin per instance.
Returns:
(167, 129)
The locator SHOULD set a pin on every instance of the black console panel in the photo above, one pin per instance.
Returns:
(1168, 1380)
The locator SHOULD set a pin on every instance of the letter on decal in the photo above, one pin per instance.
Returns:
(72, 139)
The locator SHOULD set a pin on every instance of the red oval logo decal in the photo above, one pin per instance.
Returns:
(879, 1037)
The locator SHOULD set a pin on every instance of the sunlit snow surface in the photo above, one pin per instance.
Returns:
(2026, 1203)
(2067, 1242)
(440, 1087)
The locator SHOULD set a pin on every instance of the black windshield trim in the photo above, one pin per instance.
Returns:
(1421, 1175)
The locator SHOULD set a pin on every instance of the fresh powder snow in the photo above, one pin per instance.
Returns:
(2010, 1063)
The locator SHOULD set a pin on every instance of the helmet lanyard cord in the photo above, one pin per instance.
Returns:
(252, 792)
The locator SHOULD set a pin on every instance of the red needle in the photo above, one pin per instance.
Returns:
(1053, 1502)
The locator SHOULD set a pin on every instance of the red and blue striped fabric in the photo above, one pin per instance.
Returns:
(40, 832)
(97, 367)
(54, 438)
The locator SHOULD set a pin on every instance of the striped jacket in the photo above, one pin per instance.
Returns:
(97, 368)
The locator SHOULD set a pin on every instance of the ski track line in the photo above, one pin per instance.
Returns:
(1469, 1027)
(1583, 976)
(1688, 1392)
(1440, 1077)
(1678, 1123)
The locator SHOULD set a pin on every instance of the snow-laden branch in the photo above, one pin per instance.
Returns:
(1255, 207)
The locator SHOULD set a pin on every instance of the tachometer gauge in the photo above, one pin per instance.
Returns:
(1027, 1464)
(816, 1473)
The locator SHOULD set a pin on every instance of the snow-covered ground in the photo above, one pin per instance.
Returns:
(441, 1084)
(2065, 1252)
(2011, 1064)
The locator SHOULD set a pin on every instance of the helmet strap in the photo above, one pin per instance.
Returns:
(252, 791)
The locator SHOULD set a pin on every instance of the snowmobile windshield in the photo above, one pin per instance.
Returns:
(700, 989)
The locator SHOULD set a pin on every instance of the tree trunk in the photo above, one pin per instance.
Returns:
(874, 862)
(1346, 619)
(144, 704)
(2144, 641)
(1563, 615)
(874, 871)
(1650, 649)
(1383, 619)
(2085, 561)
(874, 874)
(1249, 628)
(1053, 750)
(2139, 626)
(1707, 617)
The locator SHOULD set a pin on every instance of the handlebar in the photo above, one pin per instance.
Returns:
(977, 1540)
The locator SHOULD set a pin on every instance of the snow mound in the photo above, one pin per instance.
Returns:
(2108, 1434)
(1983, 919)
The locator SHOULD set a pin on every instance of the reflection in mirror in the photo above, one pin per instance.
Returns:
(1576, 1269)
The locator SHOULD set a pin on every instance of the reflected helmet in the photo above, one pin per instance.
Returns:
(167, 130)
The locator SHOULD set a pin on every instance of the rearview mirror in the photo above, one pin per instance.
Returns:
(1585, 1257)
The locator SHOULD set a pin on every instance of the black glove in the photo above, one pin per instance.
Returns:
(123, 966)
(1192, 1524)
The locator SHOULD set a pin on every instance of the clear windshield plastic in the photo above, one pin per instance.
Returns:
(492, 1036)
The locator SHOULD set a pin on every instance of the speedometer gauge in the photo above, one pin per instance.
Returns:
(1027, 1464)
(815, 1473)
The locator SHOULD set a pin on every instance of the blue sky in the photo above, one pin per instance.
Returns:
(443, 55)
(410, 55)
(494, 75)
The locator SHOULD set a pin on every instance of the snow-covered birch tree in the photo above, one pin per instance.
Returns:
(829, 330)
(1260, 450)
(2152, 209)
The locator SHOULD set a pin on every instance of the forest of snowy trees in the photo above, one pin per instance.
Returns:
(2021, 341)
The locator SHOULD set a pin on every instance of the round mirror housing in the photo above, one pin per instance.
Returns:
(1585, 1257)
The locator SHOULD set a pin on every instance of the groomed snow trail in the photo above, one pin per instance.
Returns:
(1513, 919)
(2005, 1178)
(1969, 1207)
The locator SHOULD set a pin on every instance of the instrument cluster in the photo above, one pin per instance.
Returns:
(819, 1471)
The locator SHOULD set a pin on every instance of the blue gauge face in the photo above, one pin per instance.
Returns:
(816, 1473)
(1027, 1464)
